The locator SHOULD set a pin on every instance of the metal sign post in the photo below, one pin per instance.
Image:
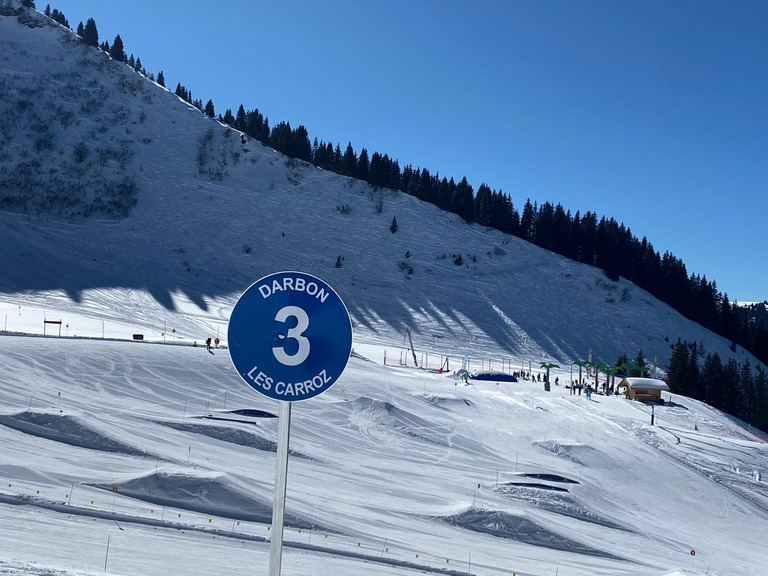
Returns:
(290, 338)
(281, 482)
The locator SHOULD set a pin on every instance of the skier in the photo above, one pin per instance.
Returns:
(208, 344)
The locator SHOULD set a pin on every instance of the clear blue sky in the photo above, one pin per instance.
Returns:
(654, 113)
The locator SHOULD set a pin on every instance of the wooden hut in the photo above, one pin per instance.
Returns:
(644, 389)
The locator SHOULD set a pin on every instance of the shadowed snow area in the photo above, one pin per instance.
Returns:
(554, 502)
(206, 495)
(233, 435)
(67, 430)
(551, 478)
(576, 453)
(503, 525)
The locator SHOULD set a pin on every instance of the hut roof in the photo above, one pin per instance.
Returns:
(644, 383)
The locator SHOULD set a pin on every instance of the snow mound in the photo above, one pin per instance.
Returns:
(368, 414)
(509, 526)
(448, 403)
(67, 430)
(233, 436)
(207, 495)
(557, 500)
(576, 453)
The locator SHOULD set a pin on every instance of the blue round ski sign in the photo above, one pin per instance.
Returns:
(290, 336)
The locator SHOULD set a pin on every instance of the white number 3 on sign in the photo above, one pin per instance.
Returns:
(295, 333)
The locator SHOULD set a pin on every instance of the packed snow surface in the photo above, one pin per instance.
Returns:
(161, 452)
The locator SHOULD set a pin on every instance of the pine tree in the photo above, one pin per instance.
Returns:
(265, 131)
(318, 153)
(761, 399)
(640, 363)
(463, 200)
(528, 221)
(90, 33)
(413, 182)
(183, 93)
(482, 209)
(561, 227)
(337, 159)
(394, 174)
(728, 321)
(543, 232)
(209, 111)
(363, 165)
(730, 387)
(59, 17)
(711, 379)
(405, 180)
(160, 78)
(80, 30)
(393, 226)
(255, 126)
(607, 248)
(588, 234)
(424, 189)
(678, 370)
(418, 185)
(745, 401)
(300, 146)
(138, 66)
(349, 161)
(117, 52)
(47, 10)
(330, 154)
(240, 119)
(694, 374)
(377, 174)
(445, 192)
(280, 137)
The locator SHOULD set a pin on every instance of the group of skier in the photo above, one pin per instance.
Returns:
(576, 388)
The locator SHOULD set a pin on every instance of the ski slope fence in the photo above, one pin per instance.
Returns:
(441, 363)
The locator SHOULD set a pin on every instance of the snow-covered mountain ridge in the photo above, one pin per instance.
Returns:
(212, 214)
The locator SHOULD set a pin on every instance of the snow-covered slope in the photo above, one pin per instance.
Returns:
(212, 215)
(392, 471)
